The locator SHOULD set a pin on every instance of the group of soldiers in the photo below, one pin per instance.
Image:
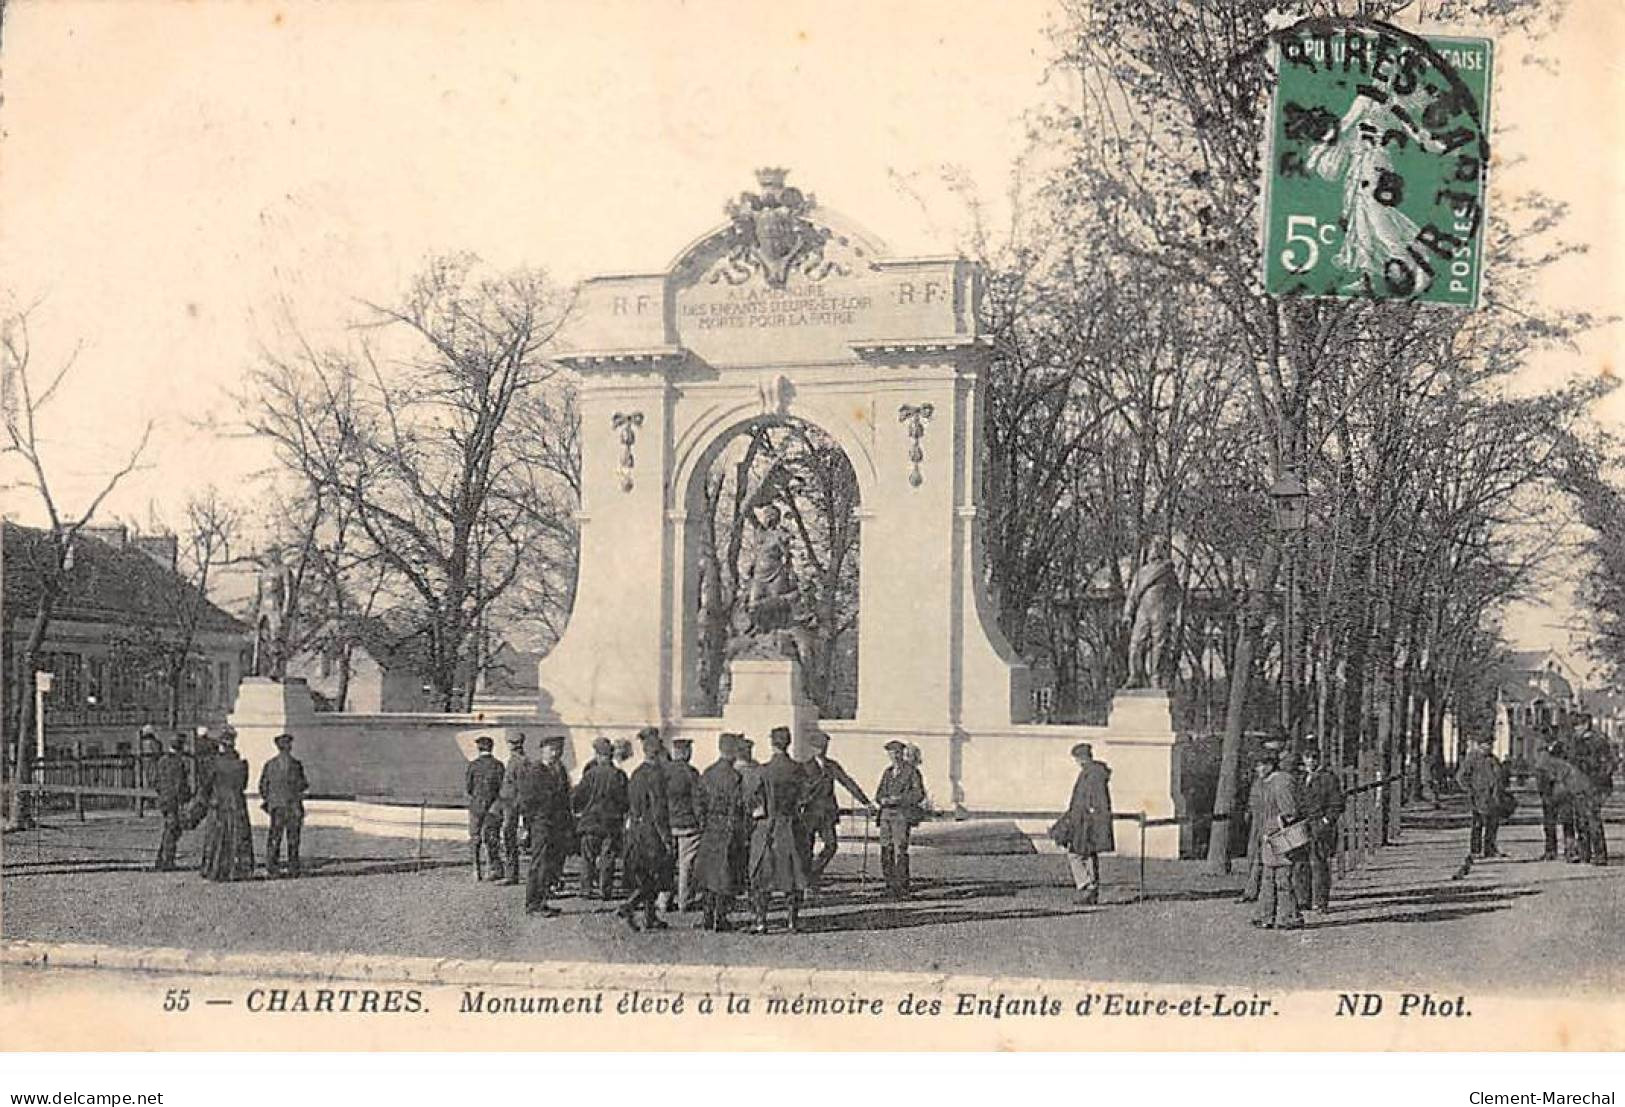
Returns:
(682, 839)
(1289, 875)
(206, 791)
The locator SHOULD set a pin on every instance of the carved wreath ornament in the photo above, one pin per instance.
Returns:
(916, 416)
(627, 424)
(771, 234)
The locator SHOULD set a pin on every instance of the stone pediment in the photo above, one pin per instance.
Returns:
(784, 281)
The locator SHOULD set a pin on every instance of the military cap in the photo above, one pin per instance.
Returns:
(484, 742)
(282, 741)
(1083, 749)
(745, 744)
(603, 747)
(779, 737)
(516, 741)
(623, 748)
(648, 732)
(553, 740)
(728, 744)
(650, 739)
(895, 746)
(818, 740)
(682, 741)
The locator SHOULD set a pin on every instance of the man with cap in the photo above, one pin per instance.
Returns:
(599, 803)
(282, 794)
(546, 802)
(754, 804)
(169, 781)
(650, 850)
(1555, 811)
(900, 797)
(1482, 778)
(1263, 766)
(1283, 801)
(1086, 829)
(1594, 756)
(229, 848)
(724, 839)
(685, 799)
(822, 815)
(482, 783)
(517, 782)
(778, 861)
(1322, 807)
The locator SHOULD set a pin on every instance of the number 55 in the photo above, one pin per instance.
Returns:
(177, 999)
(1315, 237)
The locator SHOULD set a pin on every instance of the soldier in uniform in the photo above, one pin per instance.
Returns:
(1482, 778)
(1263, 766)
(1087, 825)
(169, 781)
(724, 839)
(282, 791)
(1278, 898)
(1322, 807)
(599, 803)
(650, 850)
(685, 800)
(900, 797)
(778, 862)
(482, 783)
(755, 806)
(823, 814)
(515, 782)
(546, 801)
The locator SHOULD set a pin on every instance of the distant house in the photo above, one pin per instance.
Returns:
(387, 670)
(1539, 690)
(110, 636)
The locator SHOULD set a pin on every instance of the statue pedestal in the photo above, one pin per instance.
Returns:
(766, 692)
(1140, 750)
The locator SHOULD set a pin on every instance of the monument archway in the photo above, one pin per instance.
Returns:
(786, 310)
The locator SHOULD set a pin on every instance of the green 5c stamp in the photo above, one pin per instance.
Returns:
(1377, 157)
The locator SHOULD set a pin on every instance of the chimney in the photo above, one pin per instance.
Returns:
(162, 548)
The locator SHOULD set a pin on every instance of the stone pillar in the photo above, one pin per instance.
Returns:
(1139, 748)
(765, 693)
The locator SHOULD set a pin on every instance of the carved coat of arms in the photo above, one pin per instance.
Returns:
(772, 234)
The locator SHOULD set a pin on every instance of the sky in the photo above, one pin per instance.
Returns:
(178, 177)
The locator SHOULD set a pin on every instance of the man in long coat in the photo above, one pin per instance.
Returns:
(1087, 824)
(482, 783)
(229, 847)
(1263, 766)
(1323, 808)
(169, 781)
(1573, 793)
(599, 803)
(1554, 811)
(685, 803)
(1482, 778)
(724, 838)
(1283, 802)
(901, 799)
(778, 862)
(823, 814)
(545, 797)
(1594, 756)
(651, 852)
(282, 791)
(516, 782)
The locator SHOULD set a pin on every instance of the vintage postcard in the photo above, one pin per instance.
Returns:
(1033, 526)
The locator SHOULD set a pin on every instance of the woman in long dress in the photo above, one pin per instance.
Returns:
(229, 847)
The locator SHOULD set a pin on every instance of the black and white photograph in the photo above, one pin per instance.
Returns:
(1033, 526)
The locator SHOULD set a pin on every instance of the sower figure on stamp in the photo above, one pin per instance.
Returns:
(1322, 808)
(724, 838)
(822, 815)
(515, 782)
(599, 802)
(1085, 831)
(651, 852)
(778, 863)
(282, 795)
(169, 781)
(685, 800)
(1278, 899)
(482, 782)
(1263, 766)
(546, 802)
(901, 798)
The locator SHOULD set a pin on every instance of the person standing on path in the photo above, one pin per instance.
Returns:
(169, 781)
(482, 783)
(1594, 756)
(778, 862)
(1555, 810)
(516, 782)
(282, 791)
(1086, 829)
(1482, 778)
(1322, 808)
(1278, 899)
(723, 840)
(822, 816)
(599, 803)
(546, 804)
(686, 800)
(230, 844)
(901, 798)
(1263, 766)
(650, 848)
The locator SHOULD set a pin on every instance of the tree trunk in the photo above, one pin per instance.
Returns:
(22, 809)
(1225, 797)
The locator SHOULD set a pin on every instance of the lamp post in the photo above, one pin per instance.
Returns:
(1291, 500)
